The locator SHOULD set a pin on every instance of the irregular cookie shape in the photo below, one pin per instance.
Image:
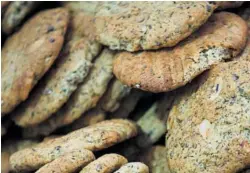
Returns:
(133, 167)
(84, 98)
(222, 37)
(29, 53)
(60, 82)
(105, 164)
(96, 137)
(15, 13)
(208, 131)
(134, 26)
(68, 163)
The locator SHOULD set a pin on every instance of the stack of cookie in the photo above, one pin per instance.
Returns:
(81, 78)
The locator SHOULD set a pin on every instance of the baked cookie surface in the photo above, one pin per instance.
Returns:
(133, 167)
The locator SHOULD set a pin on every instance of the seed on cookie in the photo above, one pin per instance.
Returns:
(133, 167)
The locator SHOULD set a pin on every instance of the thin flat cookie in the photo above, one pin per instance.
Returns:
(133, 167)
(222, 37)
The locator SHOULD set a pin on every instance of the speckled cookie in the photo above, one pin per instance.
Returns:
(116, 91)
(84, 98)
(29, 53)
(5, 165)
(96, 137)
(54, 90)
(156, 159)
(208, 131)
(222, 37)
(105, 164)
(15, 13)
(68, 163)
(133, 167)
(229, 4)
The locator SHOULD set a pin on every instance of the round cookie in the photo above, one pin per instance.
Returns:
(208, 129)
(29, 53)
(133, 167)
(15, 13)
(222, 37)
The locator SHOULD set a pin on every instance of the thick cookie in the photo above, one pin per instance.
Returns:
(105, 164)
(222, 37)
(15, 13)
(133, 167)
(208, 131)
(84, 98)
(29, 53)
(68, 163)
(96, 137)
(71, 68)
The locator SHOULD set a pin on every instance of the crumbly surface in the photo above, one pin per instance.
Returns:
(15, 13)
(229, 4)
(71, 68)
(156, 159)
(105, 164)
(29, 53)
(222, 37)
(84, 98)
(133, 167)
(5, 165)
(95, 137)
(68, 163)
(116, 91)
(208, 127)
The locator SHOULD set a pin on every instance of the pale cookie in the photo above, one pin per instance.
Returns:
(105, 164)
(29, 53)
(156, 159)
(116, 91)
(68, 163)
(71, 68)
(134, 26)
(84, 98)
(5, 164)
(208, 131)
(133, 167)
(222, 37)
(15, 14)
(229, 4)
(96, 137)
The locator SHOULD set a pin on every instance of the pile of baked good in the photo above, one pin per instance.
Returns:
(125, 87)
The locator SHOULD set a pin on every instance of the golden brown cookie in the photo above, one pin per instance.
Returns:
(229, 4)
(133, 167)
(96, 137)
(105, 164)
(156, 159)
(29, 53)
(208, 130)
(68, 163)
(5, 165)
(222, 37)
(84, 98)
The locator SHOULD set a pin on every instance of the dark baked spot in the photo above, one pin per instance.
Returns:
(50, 28)
(51, 40)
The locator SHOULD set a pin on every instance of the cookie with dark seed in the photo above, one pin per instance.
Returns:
(222, 37)
(29, 53)
(133, 167)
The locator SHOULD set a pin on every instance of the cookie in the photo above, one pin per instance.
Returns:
(54, 90)
(156, 159)
(95, 137)
(70, 162)
(107, 163)
(208, 130)
(229, 4)
(134, 26)
(29, 53)
(15, 14)
(88, 7)
(110, 101)
(133, 167)
(168, 69)
(84, 98)
(5, 165)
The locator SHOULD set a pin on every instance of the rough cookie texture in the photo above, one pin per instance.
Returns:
(68, 163)
(84, 98)
(29, 53)
(222, 37)
(156, 159)
(96, 137)
(133, 167)
(105, 164)
(15, 13)
(208, 128)
(60, 82)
